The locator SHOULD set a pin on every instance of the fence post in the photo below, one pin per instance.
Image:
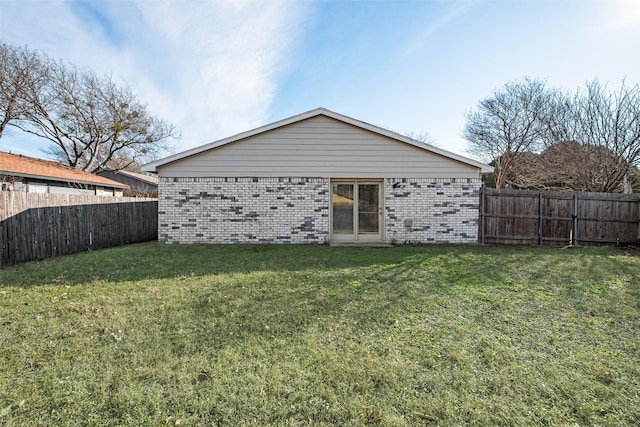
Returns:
(540, 219)
(575, 219)
(482, 197)
(638, 233)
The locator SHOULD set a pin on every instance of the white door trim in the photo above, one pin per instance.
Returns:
(356, 236)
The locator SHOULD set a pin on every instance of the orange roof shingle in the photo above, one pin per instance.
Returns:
(19, 165)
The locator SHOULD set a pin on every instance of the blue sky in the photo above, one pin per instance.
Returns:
(217, 68)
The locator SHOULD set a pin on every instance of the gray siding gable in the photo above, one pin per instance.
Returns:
(318, 143)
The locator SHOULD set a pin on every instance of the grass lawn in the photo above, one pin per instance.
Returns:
(154, 334)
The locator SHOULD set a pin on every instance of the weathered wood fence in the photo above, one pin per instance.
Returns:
(38, 226)
(558, 218)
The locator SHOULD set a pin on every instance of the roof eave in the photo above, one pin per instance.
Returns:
(69, 181)
(137, 176)
(486, 170)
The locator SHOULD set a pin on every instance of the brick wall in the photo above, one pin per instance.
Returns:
(296, 210)
(432, 210)
(243, 210)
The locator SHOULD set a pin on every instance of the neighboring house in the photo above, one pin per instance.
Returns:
(31, 175)
(314, 178)
(140, 185)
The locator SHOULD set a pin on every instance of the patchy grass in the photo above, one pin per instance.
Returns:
(155, 334)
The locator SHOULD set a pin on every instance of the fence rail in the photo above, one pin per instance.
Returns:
(38, 226)
(558, 218)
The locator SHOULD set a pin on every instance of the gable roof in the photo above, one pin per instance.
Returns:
(152, 166)
(30, 167)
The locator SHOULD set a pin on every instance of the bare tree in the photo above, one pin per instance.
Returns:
(525, 171)
(91, 120)
(21, 72)
(535, 137)
(564, 166)
(423, 137)
(122, 162)
(607, 125)
(508, 124)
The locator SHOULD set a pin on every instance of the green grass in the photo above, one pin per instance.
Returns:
(154, 334)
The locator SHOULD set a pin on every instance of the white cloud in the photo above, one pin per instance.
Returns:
(223, 60)
(210, 68)
(455, 10)
(618, 15)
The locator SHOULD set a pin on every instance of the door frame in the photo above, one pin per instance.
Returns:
(355, 236)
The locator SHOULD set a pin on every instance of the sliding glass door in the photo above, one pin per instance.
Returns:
(356, 208)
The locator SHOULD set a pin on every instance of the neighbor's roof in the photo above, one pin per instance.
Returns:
(152, 180)
(30, 167)
(152, 167)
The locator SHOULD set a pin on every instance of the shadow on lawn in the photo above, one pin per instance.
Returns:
(154, 260)
(341, 307)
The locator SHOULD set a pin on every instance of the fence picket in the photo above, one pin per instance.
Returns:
(38, 226)
(512, 217)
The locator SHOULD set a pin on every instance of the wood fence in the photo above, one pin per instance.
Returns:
(38, 226)
(558, 218)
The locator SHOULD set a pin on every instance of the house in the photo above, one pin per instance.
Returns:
(318, 177)
(140, 185)
(31, 175)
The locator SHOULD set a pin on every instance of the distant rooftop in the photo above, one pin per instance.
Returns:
(153, 180)
(30, 167)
